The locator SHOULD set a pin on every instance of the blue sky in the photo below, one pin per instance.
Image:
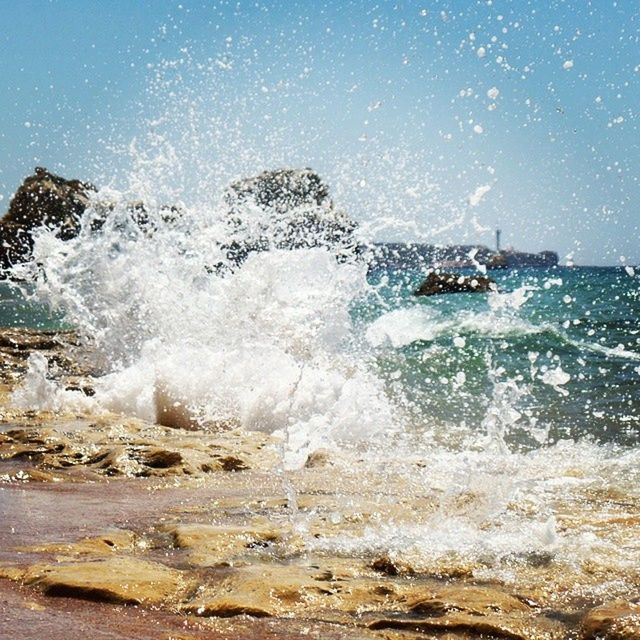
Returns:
(430, 120)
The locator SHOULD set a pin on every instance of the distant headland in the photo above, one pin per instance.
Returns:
(458, 256)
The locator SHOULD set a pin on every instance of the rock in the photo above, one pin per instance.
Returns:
(472, 600)
(210, 545)
(43, 199)
(136, 451)
(121, 580)
(391, 567)
(282, 209)
(317, 459)
(106, 544)
(266, 590)
(476, 611)
(437, 283)
(285, 209)
(613, 621)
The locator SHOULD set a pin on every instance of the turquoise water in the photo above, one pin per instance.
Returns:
(459, 358)
(16, 311)
(453, 361)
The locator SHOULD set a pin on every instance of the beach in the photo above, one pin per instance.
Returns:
(121, 527)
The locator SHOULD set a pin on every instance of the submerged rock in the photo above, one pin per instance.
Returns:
(222, 545)
(43, 199)
(285, 209)
(476, 611)
(437, 283)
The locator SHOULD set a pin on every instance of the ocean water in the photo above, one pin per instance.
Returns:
(16, 310)
(515, 410)
(553, 355)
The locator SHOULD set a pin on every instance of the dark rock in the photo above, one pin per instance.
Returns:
(43, 199)
(282, 209)
(387, 566)
(158, 458)
(437, 283)
(497, 261)
(285, 209)
(231, 463)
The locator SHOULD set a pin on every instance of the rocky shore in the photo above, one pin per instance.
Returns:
(279, 209)
(116, 528)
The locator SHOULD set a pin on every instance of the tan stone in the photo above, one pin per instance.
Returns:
(473, 610)
(472, 600)
(614, 621)
(106, 544)
(119, 580)
(282, 590)
(210, 545)
(117, 447)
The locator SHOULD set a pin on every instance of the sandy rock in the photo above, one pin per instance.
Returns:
(16, 345)
(114, 541)
(122, 580)
(283, 590)
(114, 447)
(209, 545)
(473, 610)
(614, 621)
(472, 600)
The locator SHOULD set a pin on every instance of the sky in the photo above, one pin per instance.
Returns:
(431, 121)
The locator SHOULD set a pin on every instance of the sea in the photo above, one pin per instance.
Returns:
(553, 355)
(526, 398)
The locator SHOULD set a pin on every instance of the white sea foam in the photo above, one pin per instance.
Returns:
(401, 327)
(497, 510)
(269, 345)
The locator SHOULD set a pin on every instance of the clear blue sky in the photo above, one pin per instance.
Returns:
(393, 102)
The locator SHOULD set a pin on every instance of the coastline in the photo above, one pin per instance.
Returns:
(204, 532)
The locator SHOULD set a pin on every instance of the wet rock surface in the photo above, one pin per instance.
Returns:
(110, 519)
(120, 580)
(16, 345)
(43, 199)
(437, 283)
(612, 621)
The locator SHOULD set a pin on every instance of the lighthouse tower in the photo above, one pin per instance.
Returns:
(498, 234)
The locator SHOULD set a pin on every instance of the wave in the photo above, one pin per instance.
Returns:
(268, 344)
(401, 327)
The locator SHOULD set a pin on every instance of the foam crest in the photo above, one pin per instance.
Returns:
(401, 327)
(187, 339)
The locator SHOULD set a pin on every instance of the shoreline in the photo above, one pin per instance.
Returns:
(141, 530)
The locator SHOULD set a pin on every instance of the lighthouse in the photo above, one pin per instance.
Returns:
(498, 233)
